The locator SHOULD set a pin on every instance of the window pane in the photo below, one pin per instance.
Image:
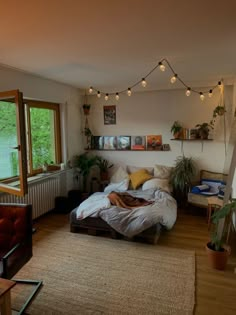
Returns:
(8, 140)
(42, 136)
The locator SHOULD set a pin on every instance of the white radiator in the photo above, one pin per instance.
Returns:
(42, 193)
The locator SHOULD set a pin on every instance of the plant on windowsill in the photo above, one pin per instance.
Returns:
(176, 129)
(104, 166)
(217, 251)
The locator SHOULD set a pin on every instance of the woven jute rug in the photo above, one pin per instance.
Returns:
(94, 275)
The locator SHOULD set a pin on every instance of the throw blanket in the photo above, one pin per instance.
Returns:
(126, 200)
(161, 208)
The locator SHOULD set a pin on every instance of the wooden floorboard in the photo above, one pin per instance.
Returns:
(215, 290)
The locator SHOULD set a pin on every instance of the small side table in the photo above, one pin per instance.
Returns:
(5, 296)
(214, 204)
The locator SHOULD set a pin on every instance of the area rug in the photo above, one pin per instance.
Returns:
(83, 274)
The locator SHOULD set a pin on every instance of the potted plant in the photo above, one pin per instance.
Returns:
(218, 111)
(103, 165)
(176, 129)
(181, 177)
(86, 109)
(217, 251)
(84, 162)
(204, 129)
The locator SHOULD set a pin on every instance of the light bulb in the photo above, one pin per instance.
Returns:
(117, 96)
(162, 67)
(201, 96)
(188, 92)
(210, 93)
(173, 79)
(106, 97)
(144, 82)
(129, 92)
(98, 94)
(90, 90)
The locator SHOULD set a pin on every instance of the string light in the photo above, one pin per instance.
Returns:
(144, 82)
(188, 92)
(210, 93)
(173, 79)
(161, 66)
(202, 96)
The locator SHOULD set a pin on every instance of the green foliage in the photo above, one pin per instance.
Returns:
(176, 127)
(182, 174)
(217, 240)
(7, 118)
(103, 164)
(84, 162)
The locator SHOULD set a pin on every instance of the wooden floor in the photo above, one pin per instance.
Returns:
(215, 290)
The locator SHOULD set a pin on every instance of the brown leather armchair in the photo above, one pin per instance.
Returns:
(16, 243)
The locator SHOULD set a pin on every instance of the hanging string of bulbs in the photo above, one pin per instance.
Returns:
(143, 82)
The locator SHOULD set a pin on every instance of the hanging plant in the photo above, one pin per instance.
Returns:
(86, 109)
(218, 111)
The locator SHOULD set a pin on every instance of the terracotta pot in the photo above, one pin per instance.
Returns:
(177, 134)
(217, 259)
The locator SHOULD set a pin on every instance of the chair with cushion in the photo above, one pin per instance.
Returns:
(212, 179)
(16, 244)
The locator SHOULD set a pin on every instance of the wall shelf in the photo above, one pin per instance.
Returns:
(192, 139)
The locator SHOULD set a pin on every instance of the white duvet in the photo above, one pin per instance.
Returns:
(131, 222)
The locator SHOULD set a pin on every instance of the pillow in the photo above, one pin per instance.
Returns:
(162, 171)
(214, 186)
(119, 175)
(139, 177)
(157, 183)
(132, 169)
(119, 187)
(200, 188)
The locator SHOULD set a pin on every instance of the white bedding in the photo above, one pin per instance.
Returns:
(131, 222)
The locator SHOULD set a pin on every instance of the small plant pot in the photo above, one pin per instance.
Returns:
(177, 134)
(217, 259)
(86, 111)
(104, 176)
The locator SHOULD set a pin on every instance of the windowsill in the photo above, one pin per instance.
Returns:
(39, 177)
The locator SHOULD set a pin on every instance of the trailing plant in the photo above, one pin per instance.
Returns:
(218, 111)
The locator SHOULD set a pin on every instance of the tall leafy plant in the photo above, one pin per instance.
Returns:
(181, 176)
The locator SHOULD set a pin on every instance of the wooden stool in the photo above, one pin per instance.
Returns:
(214, 204)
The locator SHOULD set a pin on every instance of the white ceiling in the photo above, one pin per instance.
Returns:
(112, 44)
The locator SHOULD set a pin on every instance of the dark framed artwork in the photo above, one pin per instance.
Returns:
(109, 115)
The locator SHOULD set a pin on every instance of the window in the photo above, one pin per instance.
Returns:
(29, 138)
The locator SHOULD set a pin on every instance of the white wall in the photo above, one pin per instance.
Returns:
(153, 113)
(42, 89)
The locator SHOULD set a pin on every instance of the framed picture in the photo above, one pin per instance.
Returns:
(109, 115)
(123, 142)
(109, 143)
(97, 143)
(138, 142)
(154, 142)
(166, 147)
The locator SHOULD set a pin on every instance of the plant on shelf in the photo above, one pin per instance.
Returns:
(181, 177)
(104, 166)
(176, 129)
(217, 250)
(84, 162)
(204, 129)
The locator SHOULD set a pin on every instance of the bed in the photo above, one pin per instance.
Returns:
(99, 213)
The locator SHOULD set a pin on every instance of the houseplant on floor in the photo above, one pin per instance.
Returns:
(181, 178)
(84, 162)
(217, 250)
(104, 166)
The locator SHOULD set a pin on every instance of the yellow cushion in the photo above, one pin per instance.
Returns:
(139, 177)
